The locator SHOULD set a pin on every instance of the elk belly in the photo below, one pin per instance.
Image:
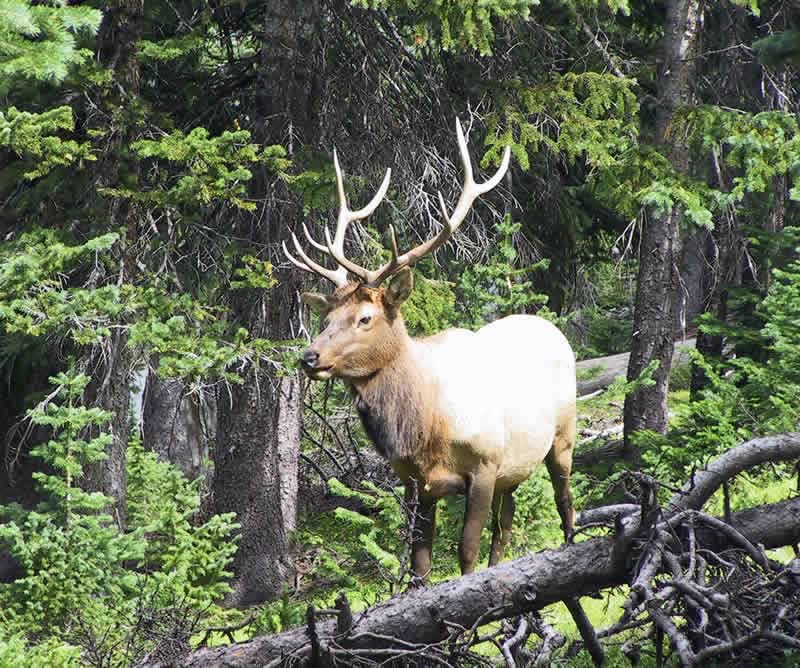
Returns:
(523, 454)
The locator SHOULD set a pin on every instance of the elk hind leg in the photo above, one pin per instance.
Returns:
(559, 466)
(480, 491)
(502, 518)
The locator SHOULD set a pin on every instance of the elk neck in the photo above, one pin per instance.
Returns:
(397, 404)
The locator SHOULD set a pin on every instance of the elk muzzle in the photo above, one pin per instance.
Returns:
(309, 361)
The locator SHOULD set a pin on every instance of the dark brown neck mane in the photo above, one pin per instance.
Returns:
(397, 408)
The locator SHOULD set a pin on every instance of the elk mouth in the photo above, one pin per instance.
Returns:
(319, 372)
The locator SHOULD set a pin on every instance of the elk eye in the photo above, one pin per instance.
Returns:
(365, 320)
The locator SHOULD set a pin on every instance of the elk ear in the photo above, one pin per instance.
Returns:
(319, 303)
(400, 287)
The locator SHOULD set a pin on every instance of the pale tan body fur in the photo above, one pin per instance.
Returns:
(504, 393)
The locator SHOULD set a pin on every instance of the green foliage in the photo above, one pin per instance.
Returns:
(782, 47)
(643, 177)
(34, 138)
(84, 581)
(182, 557)
(536, 522)
(16, 653)
(455, 25)
(759, 147)
(378, 535)
(430, 308)
(588, 116)
(37, 40)
(72, 556)
(254, 273)
(40, 258)
(171, 48)
(194, 340)
(208, 169)
(499, 287)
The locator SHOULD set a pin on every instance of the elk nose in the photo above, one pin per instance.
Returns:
(309, 359)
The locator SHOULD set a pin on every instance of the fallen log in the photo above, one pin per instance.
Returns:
(417, 622)
(423, 617)
(605, 370)
(703, 483)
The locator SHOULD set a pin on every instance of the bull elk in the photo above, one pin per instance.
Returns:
(460, 412)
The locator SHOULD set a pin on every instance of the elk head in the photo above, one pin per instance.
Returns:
(363, 331)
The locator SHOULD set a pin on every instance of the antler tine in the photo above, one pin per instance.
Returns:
(443, 206)
(316, 244)
(344, 263)
(393, 239)
(335, 247)
(470, 192)
(346, 216)
(294, 260)
(338, 277)
(376, 200)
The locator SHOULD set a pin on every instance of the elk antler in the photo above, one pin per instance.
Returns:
(335, 248)
(373, 278)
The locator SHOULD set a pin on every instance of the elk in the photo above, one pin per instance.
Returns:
(461, 412)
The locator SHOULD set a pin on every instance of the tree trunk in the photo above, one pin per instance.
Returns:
(720, 273)
(658, 280)
(253, 420)
(691, 299)
(109, 389)
(178, 428)
(118, 38)
(258, 438)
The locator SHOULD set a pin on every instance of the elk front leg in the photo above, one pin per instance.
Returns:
(424, 523)
(480, 490)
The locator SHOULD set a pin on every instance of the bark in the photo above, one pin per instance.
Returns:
(720, 271)
(614, 366)
(258, 437)
(658, 281)
(781, 447)
(693, 286)
(512, 588)
(117, 42)
(253, 418)
(177, 427)
(109, 389)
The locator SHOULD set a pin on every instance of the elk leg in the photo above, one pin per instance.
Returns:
(559, 466)
(422, 536)
(480, 490)
(440, 482)
(502, 517)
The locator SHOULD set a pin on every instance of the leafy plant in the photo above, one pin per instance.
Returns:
(86, 583)
(499, 287)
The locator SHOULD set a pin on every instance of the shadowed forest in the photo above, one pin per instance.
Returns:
(174, 490)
